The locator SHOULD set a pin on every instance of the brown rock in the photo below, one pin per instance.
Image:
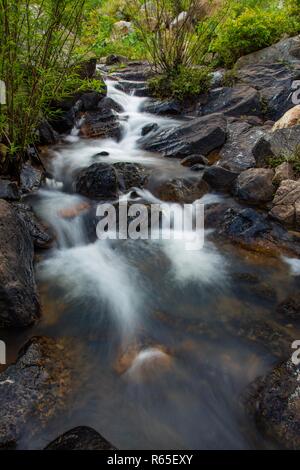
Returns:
(289, 119)
(255, 185)
(286, 204)
(283, 172)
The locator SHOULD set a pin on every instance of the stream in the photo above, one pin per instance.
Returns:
(167, 339)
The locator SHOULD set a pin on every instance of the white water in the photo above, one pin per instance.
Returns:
(98, 270)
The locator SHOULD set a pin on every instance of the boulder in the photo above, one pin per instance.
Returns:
(219, 178)
(80, 438)
(9, 190)
(162, 108)
(274, 402)
(244, 147)
(282, 142)
(46, 134)
(149, 128)
(284, 51)
(19, 303)
(192, 160)
(98, 181)
(237, 101)
(181, 190)
(35, 388)
(101, 125)
(40, 234)
(286, 204)
(255, 186)
(130, 175)
(289, 119)
(114, 59)
(89, 101)
(31, 178)
(87, 69)
(283, 172)
(274, 84)
(200, 136)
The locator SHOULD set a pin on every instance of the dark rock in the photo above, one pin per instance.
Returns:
(255, 186)
(131, 87)
(130, 175)
(98, 125)
(19, 303)
(47, 135)
(219, 178)
(200, 136)
(245, 146)
(274, 402)
(283, 51)
(101, 154)
(9, 190)
(135, 72)
(162, 108)
(192, 160)
(87, 69)
(274, 83)
(281, 142)
(98, 181)
(114, 59)
(149, 128)
(35, 388)
(89, 101)
(237, 101)
(108, 106)
(64, 122)
(197, 167)
(288, 311)
(42, 238)
(31, 178)
(80, 438)
(181, 190)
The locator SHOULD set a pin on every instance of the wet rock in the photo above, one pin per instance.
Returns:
(31, 178)
(244, 146)
(149, 128)
(9, 190)
(162, 108)
(101, 125)
(181, 190)
(19, 303)
(286, 204)
(255, 186)
(289, 119)
(89, 101)
(237, 101)
(219, 178)
(274, 402)
(197, 167)
(200, 136)
(274, 84)
(192, 160)
(41, 235)
(80, 438)
(283, 172)
(108, 106)
(284, 51)
(288, 311)
(114, 59)
(87, 69)
(130, 175)
(98, 181)
(47, 135)
(35, 388)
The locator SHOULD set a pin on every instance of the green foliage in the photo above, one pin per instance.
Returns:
(292, 158)
(185, 84)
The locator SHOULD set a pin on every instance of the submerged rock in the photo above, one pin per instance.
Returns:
(200, 136)
(274, 402)
(35, 388)
(255, 186)
(80, 438)
(19, 303)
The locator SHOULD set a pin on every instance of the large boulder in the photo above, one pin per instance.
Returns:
(201, 136)
(244, 147)
(237, 101)
(98, 181)
(80, 438)
(286, 204)
(274, 402)
(281, 143)
(181, 190)
(35, 388)
(274, 84)
(284, 51)
(19, 303)
(162, 108)
(46, 134)
(219, 178)
(130, 175)
(40, 234)
(255, 186)
(103, 122)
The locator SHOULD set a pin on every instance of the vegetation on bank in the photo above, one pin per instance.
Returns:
(43, 41)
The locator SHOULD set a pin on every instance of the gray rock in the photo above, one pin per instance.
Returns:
(35, 388)
(219, 178)
(9, 190)
(274, 402)
(19, 303)
(31, 178)
(282, 142)
(149, 128)
(255, 186)
(80, 438)
(162, 108)
(200, 136)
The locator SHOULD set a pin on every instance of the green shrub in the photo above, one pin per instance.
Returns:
(250, 30)
(188, 82)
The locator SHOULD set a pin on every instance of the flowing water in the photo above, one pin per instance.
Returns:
(171, 337)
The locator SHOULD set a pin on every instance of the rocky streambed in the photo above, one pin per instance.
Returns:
(141, 341)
